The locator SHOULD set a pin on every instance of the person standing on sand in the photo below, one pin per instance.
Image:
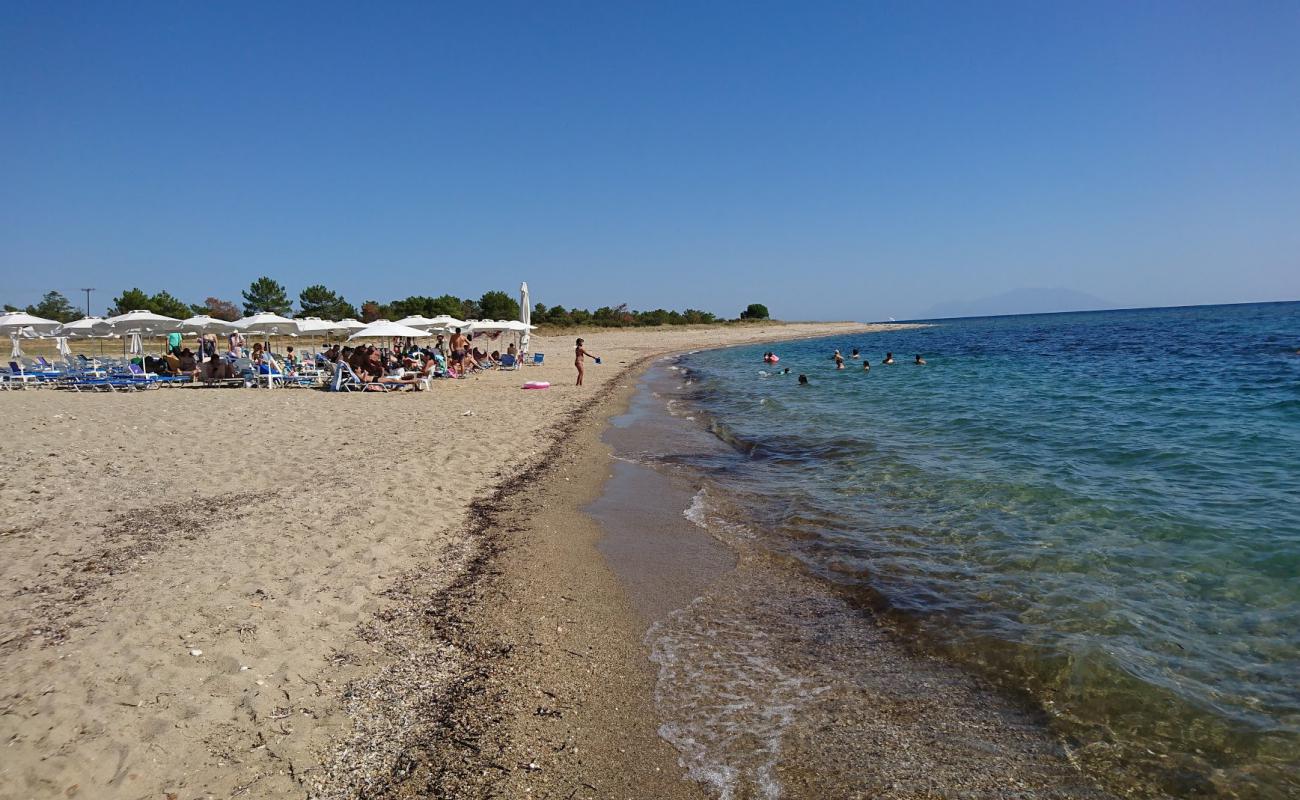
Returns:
(579, 354)
(459, 347)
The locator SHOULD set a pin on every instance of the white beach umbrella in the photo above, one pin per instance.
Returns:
(140, 322)
(445, 322)
(525, 316)
(315, 325)
(418, 321)
(383, 329)
(349, 325)
(85, 327)
(203, 323)
(268, 323)
(494, 325)
(61, 344)
(12, 321)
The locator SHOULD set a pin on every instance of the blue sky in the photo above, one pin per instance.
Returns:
(834, 161)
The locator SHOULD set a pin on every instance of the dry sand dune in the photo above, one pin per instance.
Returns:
(195, 580)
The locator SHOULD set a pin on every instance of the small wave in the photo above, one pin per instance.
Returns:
(704, 514)
(727, 703)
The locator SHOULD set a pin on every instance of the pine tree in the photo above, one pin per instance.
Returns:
(266, 295)
(129, 300)
(55, 306)
(498, 305)
(318, 301)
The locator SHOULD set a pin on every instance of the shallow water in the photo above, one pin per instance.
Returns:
(1100, 508)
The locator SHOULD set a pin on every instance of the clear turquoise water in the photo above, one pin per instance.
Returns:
(1102, 509)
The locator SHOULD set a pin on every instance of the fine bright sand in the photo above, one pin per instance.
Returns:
(227, 592)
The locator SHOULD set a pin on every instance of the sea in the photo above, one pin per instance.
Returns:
(1095, 514)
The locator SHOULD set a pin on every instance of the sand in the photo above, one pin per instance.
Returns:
(225, 593)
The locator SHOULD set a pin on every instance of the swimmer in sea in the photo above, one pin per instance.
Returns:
(803, 380)
(839, 360)
(920, 360)
(854, 355)
(787, 371)
(866, 365)
(889, 358)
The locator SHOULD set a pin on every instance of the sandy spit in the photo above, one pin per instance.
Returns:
(242, 593)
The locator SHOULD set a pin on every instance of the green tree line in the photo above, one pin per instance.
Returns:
(266, 294)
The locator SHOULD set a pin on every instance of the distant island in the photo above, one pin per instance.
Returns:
(1019, 301)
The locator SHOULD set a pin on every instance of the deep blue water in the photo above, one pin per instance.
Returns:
(1100, 508)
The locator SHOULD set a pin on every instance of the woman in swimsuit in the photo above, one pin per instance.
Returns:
(579, 355)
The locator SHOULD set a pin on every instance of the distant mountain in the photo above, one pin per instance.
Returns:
(1019, 301)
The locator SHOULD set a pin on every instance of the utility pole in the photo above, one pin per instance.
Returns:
(88, 291)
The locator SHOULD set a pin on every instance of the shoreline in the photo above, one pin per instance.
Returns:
(557, 695)
(574, 733)
(218, 612)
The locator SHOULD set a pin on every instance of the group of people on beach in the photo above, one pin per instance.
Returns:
(401, 362)
(454, 356)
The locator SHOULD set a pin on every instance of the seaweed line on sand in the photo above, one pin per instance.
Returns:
(426, 724)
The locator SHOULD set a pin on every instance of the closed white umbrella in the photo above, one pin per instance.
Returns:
(525, 316)
(61, 344)
(383, 329)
